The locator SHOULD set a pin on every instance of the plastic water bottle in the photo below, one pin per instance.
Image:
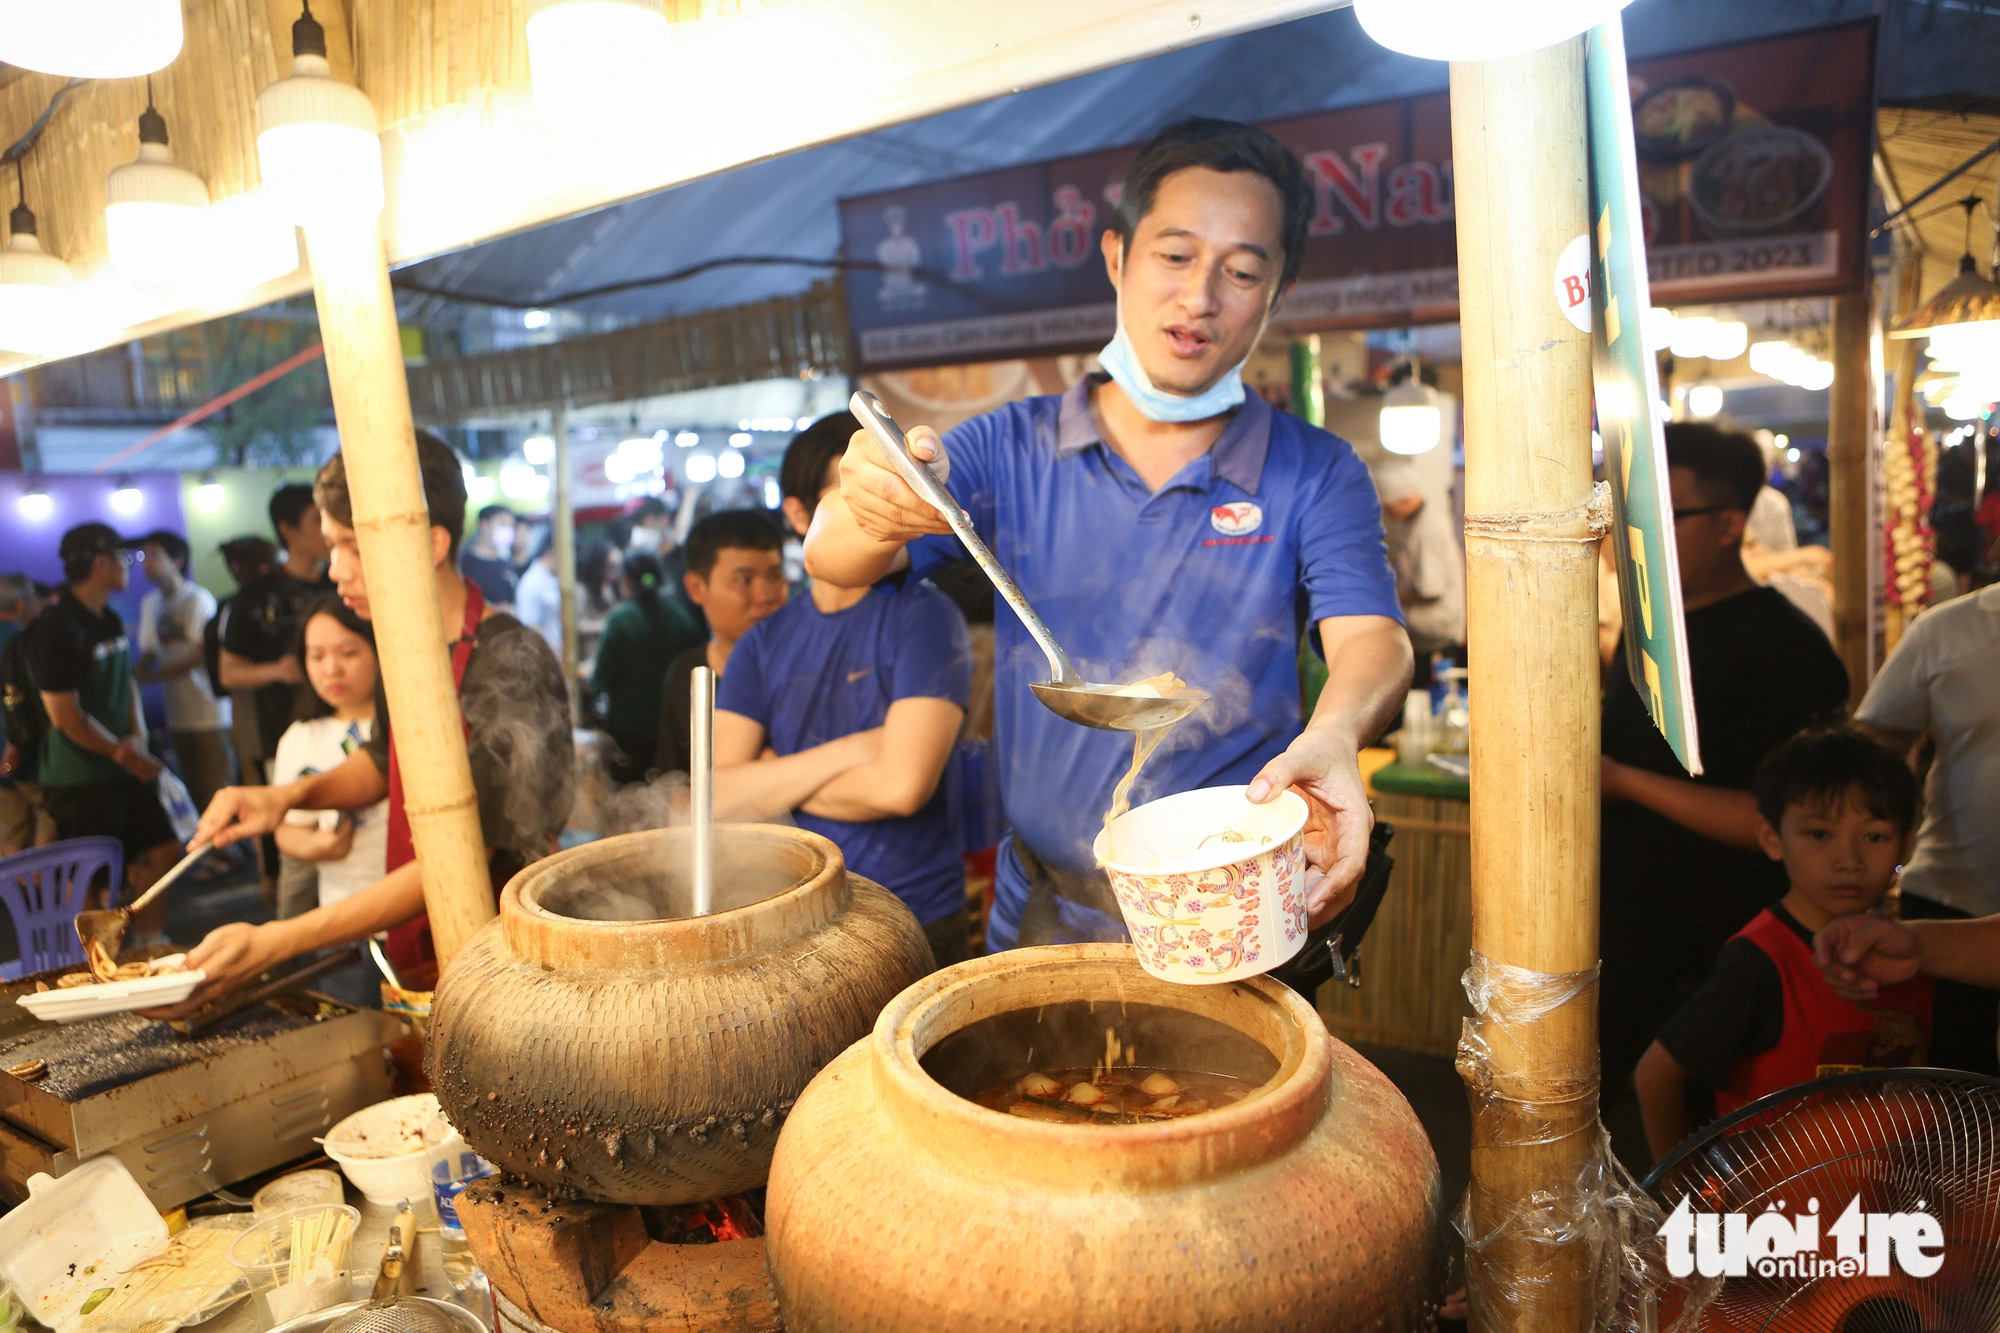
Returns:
(454, 1165)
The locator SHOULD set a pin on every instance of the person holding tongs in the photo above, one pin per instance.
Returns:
(1161, 519)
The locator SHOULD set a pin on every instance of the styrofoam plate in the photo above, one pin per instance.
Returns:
(113, 997)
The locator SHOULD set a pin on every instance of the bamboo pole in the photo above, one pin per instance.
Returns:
(1848, 482)
(565, 534)
(371, 406)
(1520, 159)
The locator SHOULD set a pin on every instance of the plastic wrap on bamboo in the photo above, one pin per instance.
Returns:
(1599, 1208)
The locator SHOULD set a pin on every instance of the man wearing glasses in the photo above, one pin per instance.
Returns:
(1682, 871)
(98, 778)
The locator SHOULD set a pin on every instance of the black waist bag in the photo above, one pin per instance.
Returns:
(1329, 952)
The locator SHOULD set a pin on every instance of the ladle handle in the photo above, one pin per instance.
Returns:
(924, 482)
(701, 786)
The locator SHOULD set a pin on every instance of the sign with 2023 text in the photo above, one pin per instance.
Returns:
(1628, 412)
(1753, 177)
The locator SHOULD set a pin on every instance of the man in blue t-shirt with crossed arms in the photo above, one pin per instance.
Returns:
(1161, 520)
(854, 697)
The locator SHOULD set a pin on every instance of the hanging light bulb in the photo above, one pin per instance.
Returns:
(1478, 29)
(35, 504)
(1692, 335)
(1962, 320)
(127, 500)
(209, 495)
(1727, 340)
(36, 310)
(596, 63)
(1411, 421)
(730, 464)
(153, 210)
(318, 142)
(1704, 400)
(90, 39)
(1659, 328)
(701, 468)
(539, 450)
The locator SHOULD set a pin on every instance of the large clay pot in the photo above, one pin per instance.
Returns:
(652, 1061)
(897, 1204)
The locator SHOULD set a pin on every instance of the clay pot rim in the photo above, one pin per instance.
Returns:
(828, 864)
(1267, 1122)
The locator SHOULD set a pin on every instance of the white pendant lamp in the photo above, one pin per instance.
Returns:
(1411, 421)
(90, 39)
(318, 142)
(154, 210)
(1478, 29)
(597, 64)
(36, 304)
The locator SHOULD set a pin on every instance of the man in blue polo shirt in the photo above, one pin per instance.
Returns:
(858, 693)
(1161, 519)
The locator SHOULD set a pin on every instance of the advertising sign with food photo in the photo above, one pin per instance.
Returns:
(1753, 165)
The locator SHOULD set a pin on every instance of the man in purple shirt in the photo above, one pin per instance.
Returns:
(1161, 519)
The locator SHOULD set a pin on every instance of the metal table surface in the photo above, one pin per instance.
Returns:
(365, 1258)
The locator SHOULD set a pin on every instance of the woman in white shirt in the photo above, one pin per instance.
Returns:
(335, 717)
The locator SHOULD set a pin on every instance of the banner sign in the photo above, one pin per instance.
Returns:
(1753, 162)
(1628, 406)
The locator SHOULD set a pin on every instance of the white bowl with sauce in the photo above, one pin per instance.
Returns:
(1212, 887)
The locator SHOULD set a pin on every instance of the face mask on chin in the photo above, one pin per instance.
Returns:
(1121, 362)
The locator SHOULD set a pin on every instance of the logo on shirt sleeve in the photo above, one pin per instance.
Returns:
(1236, 520)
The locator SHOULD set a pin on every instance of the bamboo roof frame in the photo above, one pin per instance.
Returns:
(468, 159)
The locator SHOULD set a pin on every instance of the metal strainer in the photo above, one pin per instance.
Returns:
(392, 1314)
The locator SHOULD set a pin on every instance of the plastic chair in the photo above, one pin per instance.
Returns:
(43, 890)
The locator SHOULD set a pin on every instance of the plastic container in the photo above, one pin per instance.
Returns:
(301, 1189)
(285, 1285)
(1212, 887)
(76, 1234)
(381, 1151)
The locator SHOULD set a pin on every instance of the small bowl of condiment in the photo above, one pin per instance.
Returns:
(1212, 887)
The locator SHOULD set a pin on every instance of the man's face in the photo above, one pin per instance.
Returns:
(1707, 537)
(307, 538)
(500, 534)
(160, 567)
(344, 561)
(1197, 284)
(743, 588)
(117, 574)
(344, 564)
(1840, 858)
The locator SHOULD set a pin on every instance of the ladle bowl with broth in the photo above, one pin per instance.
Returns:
(602, 1042)
(1305, 1187)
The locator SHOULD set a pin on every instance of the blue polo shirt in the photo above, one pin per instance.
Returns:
(807, 678)
(1214, 576)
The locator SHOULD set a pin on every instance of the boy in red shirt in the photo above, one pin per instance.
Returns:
(1838, 810)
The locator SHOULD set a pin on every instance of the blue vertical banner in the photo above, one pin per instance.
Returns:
(1628, 405)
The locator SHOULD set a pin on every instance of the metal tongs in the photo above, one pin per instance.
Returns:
(1066, 693)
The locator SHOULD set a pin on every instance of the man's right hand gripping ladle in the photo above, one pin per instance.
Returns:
(1066, 694)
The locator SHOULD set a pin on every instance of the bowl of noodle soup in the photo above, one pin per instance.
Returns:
(1212, 887)
(1766, 178)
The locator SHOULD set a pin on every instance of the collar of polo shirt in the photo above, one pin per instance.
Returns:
(1237, 456)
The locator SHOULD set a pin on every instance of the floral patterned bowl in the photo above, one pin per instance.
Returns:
(1212, 887)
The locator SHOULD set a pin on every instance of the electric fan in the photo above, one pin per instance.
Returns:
(1880, 1198)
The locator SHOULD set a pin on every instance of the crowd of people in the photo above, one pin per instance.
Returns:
(1802, 906)
(1805, 906)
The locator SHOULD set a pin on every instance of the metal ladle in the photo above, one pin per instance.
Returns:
(1067, 694)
